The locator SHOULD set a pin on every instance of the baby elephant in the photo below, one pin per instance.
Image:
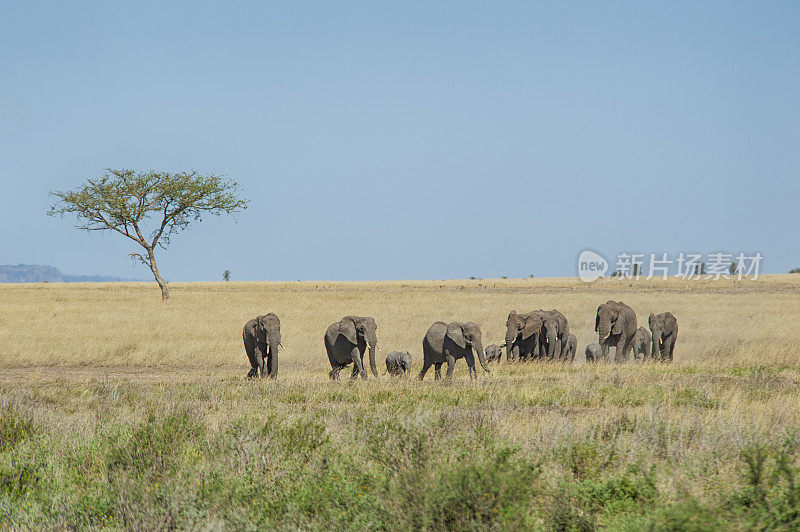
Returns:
(594, 353)
(571, 348)
(398, 363)
(493, 352)
(641, 344)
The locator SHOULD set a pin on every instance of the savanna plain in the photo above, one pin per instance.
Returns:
(119, 411)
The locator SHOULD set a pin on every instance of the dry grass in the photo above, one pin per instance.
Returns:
(722, 323)
(114, 354)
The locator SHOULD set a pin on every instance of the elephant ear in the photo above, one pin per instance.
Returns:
(619, 324)
(456, 334)
(532, 325)
(510, 315)
(347, 328)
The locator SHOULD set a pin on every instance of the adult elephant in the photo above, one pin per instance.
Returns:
(641, 343)
(555, 333)
(447, 342)
(262, 337)
(615, 324)
(664, 328)
(346, 341)
(522, 335)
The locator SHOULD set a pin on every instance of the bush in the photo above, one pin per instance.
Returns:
(583, 504)
(770, 496)
(14, 429)
(153, 446)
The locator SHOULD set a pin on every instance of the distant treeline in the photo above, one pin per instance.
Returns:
(35, 273)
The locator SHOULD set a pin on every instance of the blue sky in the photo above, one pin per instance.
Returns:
(409, 140)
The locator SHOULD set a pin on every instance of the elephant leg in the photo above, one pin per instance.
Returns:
(669, 348)
(355, 356)
(470, 358)
(334, 373)
(626, 351)
(259, 354)
(425, 367)
(619, 351)
(451, 365)
(647, 350)
(249, 348)
(515, 353)
(559, 353)
(437, 371)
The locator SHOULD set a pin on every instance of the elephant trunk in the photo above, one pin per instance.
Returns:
(603, 330)
(372, 344)
(552, 339)
(510, 337)
(656, 352)
(372, 365)
(481, 357)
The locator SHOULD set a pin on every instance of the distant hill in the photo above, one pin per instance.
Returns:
(35, 273)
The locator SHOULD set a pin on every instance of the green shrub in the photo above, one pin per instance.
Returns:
(15, 428)
(153, 446)
(583, 504)
(685, 516)
(770, 495)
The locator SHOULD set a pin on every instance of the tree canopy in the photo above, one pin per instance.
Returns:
(148, 207)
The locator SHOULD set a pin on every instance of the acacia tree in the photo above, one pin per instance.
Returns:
(148, 207)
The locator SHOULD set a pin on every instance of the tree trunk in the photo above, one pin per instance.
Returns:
(160, 280)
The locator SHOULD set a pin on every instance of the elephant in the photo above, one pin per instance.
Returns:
(665, 333)
(447, 342)
(398, 363)
(522, 335)
(571, 349)
(593, 352)
(262, 338)
(493, 352)
(641, 343)
(555, 332)
(615, 324)
(346, 341)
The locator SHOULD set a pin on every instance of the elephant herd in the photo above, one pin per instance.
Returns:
(535, 335)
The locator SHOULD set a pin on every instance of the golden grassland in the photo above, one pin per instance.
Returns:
(722, 323)
(96, 371)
